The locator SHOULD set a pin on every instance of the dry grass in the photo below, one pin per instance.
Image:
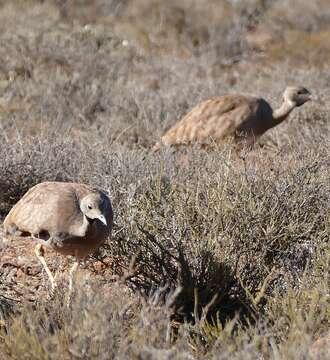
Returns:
(216, 256)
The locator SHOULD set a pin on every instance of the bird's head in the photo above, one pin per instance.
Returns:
(297, 95)
(94, 206)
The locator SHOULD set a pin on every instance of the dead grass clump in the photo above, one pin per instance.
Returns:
(91, 328)
(241, 239)
(216, 255)
(111, 322)
(301, 15)
(223, 235)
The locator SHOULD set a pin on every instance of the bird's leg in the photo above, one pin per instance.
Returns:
(72, 273)
(40, 255)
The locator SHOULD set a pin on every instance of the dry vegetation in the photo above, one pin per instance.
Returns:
(214, 255)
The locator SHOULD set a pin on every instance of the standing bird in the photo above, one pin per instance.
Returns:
(72, 219)
(240, 117)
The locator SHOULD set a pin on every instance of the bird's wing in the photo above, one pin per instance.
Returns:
(46, 207)
(215, 118)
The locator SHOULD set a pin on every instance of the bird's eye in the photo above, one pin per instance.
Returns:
(90, 207)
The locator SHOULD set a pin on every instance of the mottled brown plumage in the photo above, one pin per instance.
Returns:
(72, 219)
(232, 116)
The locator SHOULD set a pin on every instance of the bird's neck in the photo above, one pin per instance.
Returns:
(282, 112)
(84, 227)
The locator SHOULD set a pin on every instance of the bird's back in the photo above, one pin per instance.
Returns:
(217, 119)
(48, 206)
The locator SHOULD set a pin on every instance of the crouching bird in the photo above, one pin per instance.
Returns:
(70, 218)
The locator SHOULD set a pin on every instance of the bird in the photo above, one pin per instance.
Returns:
(241, 118)
(70, 218)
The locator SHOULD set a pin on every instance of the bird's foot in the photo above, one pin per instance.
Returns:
(72, 273)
